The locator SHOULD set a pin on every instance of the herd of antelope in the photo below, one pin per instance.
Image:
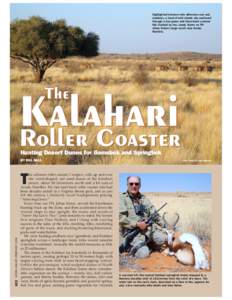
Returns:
(207, 66)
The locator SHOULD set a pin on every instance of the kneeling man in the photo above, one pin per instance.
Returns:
(134, 209)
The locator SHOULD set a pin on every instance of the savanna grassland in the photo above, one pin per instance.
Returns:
(132, 80)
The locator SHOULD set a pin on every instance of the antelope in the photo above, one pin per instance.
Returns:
(185, 247)
(183, 68)
(164, 67)
(200, 68)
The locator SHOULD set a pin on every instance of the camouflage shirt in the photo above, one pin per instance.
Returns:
(128, 211)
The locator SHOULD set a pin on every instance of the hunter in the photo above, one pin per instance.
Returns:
(134, 209)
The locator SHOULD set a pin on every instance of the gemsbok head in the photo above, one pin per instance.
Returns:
(185, 247)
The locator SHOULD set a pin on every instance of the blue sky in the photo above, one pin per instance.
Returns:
(127, 28)
(170, 182)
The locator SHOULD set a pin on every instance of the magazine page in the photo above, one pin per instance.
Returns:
(115, 149)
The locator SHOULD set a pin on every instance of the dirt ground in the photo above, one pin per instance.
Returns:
(158, 262)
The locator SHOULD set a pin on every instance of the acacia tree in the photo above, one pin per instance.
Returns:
(40, 43)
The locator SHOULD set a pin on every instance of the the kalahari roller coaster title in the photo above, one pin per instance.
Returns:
(105, 137)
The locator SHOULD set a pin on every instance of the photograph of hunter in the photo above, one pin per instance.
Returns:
(143, 230)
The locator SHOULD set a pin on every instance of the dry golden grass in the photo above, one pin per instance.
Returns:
(199, 104)
(195, 210)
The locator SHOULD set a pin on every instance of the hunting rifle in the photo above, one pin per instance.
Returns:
(130, 234)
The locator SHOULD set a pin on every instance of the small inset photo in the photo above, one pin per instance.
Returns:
(165, 222)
